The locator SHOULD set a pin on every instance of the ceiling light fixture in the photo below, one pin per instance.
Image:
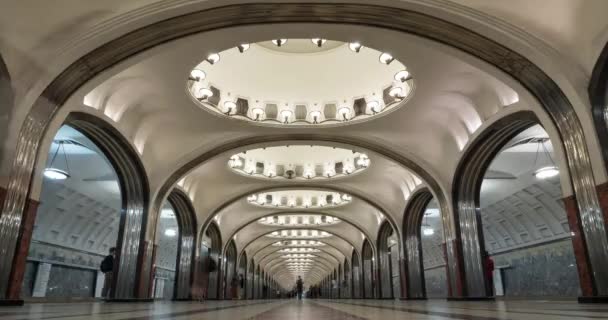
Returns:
(363, 160)
(170, 232)
(355, 46)
(56, 173)
(279, 42)
(374, 106)
(197, 75)
(546, 171)
(286, 114)
(386, 58)
(229, 106)
(234, 162)
(315, 115)
(344, 112)
(318, 41)
(243, 47)
(203, 94)
(257, 113)
(213, 58)
(396, 92)
(403, 76)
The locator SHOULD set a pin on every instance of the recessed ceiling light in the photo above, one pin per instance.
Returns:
(213, 58)
(355, 46)
(386, 58)
(197, 75)
(318, 41)
(279, 42)
(243, 47)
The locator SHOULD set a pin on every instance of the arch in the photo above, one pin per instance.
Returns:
(598, 94)
(356, 275)
(213, 258)
(414, 266)
(547, 92)
(347, 281)
(369, 280)
(186, 220)
(243, 276)
(385, 268)
(133, 185)
(466, 192)
(251, 279)
(229, 270)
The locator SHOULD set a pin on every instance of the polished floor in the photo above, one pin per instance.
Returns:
(312, 309)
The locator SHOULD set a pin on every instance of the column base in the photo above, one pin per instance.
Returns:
(471, 299)
(11, 303)
(593, 299)
(131, 300)
(406, 299)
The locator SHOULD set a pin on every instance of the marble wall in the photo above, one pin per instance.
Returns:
(544, 270)
(435, 280)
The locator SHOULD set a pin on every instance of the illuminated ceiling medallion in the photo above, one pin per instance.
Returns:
(352, 81)
(299, 220)
(299, 162)
(298, 243)
(300, 199)
(298, 256)
(299, 234)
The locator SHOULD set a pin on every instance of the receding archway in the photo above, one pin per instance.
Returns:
(356, 275)
(186, 247)
(385, 261)
(229, 277)
(369, 280)
(211, 248)
(251, 280)
(598, 94)
(243, 276)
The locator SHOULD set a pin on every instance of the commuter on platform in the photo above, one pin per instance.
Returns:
(299, 287)
(107, 267)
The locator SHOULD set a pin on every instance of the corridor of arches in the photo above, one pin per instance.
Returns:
(416, 157)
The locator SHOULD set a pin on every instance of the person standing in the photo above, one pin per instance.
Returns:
(299, 287)
(234, 287)
(107, 267)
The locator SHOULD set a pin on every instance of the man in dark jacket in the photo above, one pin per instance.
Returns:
(299, 287)
(107, 267)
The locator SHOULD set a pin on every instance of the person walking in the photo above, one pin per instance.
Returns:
(107, 267)
(489, 273)
(299, 287)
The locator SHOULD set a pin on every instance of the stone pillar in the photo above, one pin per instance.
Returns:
(13, 293)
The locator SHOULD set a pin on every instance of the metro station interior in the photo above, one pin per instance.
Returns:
(387, 159)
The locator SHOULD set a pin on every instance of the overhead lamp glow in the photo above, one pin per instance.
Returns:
(213, 58)
(243, 47)
(374, 106)
(428, 231)
(344, 113)
(197, 75)
(355, 46)
(546, 172)
(402, 76)
(318, 41)
(235, 162)
(257, 113)
(229, 106)
(55, 174)
(170, 232)
(363, 161)
(279, 42)
(286, 115)
(396, 92)
(315, 115)
(204, 93)
(386, 58)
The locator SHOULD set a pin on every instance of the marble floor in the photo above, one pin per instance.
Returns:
(312, 309)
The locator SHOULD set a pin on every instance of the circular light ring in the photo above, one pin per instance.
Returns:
(299, 243)
(299, 234)
(300, 199)
(299, 220)
(290, 162)
(55, 174)
(315, 116)
(546, 172)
